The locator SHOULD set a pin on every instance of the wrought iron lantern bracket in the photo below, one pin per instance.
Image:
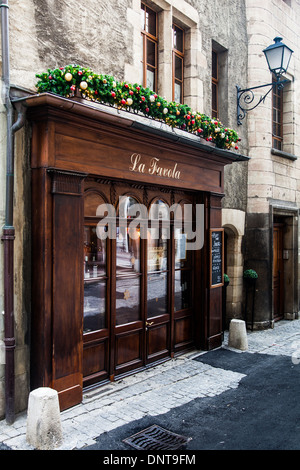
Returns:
(247, 101)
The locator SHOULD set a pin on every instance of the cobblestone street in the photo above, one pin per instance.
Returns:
(154, 391)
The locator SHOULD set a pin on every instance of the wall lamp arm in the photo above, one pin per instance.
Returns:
(246, 97)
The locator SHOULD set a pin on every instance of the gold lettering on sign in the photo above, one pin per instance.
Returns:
(154, 169)
(136, 165)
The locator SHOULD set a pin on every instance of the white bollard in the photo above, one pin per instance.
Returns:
(44, 431)
(237, 335)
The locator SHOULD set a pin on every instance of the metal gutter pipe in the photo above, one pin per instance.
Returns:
(8, 231)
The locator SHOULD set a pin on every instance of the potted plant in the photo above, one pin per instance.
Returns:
(226, 280)
(250, 274)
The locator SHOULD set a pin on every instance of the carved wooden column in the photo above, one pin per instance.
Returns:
(212, 326)
(57, 283)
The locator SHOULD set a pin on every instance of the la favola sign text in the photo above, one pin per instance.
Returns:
(154, 167)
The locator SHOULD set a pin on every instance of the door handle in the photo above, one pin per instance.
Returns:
(149, 323)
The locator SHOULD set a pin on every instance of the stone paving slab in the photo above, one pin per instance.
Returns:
(154, 391)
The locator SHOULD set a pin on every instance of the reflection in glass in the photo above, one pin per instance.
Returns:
(183, 257)
(183, 290)
(157, 294)
(177, 93)
(178, 38)
(94, 252)
(150, 78)
(127, 299)
(178, 67)
(94, 305)
(128, 270)
(157, 249)
(151, 53)
(126, 205)
(128, 251)
(157, 267)
(159, 210)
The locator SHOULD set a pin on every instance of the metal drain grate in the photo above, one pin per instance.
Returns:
(156, 438)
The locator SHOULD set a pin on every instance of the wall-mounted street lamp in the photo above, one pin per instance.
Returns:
(278, 56)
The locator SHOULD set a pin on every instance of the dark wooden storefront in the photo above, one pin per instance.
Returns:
(101, 309)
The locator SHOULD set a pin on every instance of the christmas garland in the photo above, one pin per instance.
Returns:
(65, 81)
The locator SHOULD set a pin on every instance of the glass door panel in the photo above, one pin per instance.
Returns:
(157, 272)
(182, 290)
(183, 272)
(128, 276)
(95, 281)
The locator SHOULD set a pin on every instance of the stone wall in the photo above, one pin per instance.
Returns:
(273, 177)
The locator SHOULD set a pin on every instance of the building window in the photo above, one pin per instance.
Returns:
(178, 63)
(215, 85)
(149, 47)
(277, 118)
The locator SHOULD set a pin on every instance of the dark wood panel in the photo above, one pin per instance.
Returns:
(183, 331)
(124, 160)
(67, 324)
(67, 316)
(41, 252)
(214, 333)
(95, 358)
(158, 340)
(128, 348)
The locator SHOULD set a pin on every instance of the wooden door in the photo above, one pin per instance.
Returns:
(138, 290)
(158, 308)
(278, 272)
(96, 274)
(127, 292)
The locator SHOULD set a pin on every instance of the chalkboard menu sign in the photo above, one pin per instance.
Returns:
(216, 257)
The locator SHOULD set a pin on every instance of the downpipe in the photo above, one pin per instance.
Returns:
(8, 231)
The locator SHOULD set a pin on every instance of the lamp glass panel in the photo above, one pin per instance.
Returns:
(286, 58)
(274, 58)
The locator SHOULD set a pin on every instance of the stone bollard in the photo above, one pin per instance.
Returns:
(44, 430)
(237, 335)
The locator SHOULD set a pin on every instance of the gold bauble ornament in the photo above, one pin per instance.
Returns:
(83, 85)
(68, 77)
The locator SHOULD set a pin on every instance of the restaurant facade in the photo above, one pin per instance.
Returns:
(104, 306)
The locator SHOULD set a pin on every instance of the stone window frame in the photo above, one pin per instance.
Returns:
(288, 121)
(179, 56)
(148, 37)
(223, 83)
(186, 17)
